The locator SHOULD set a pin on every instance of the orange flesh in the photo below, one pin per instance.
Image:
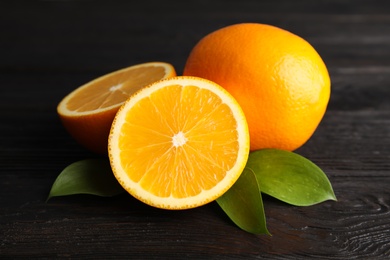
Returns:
(190, 141)
(114, 89)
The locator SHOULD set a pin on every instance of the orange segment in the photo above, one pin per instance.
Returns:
(88, 111)
(179, 143)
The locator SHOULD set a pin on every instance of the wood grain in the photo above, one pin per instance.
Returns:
(358, 224)
(48, 48)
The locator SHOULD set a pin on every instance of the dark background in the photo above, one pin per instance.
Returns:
(49, 48)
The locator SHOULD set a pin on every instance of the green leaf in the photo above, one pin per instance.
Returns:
(243, 204)
(290, 177)
(90, 176)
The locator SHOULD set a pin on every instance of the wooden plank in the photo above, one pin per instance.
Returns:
(48, 48)
(357, 225)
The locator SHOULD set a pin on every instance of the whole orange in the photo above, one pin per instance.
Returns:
(277, 77)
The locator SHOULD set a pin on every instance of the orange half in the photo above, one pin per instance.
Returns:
(87, 112)
(179, 143)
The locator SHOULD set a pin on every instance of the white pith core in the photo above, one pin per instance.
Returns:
(179, 139)
(115, 88)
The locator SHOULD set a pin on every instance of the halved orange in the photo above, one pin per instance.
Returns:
(87, 112)
(179, 143)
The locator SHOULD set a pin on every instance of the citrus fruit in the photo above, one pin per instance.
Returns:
(179, 143)
(277, 77)
(87, 112)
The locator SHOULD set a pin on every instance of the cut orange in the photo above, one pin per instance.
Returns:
(87, 112)
(179, 143)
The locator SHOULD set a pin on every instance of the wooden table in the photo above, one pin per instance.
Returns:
(48, 48)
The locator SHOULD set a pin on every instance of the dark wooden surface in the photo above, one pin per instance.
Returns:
(48, 48)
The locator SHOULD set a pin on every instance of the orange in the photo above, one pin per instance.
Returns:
(278, 78)
(87, 112)
(179, 143)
